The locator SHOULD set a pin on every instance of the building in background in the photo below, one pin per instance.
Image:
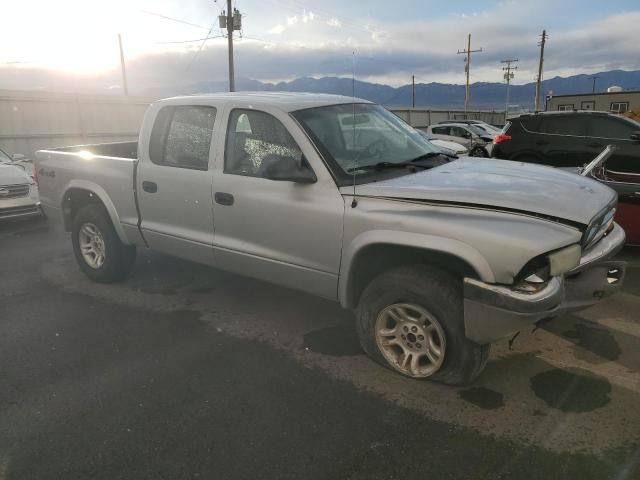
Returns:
(614, 100)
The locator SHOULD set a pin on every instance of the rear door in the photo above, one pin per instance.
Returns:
(563, 140)
(611, 130)
(174, 182)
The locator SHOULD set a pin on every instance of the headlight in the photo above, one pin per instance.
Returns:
(534, 275)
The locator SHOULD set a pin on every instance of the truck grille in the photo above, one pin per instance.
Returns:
(14, 191)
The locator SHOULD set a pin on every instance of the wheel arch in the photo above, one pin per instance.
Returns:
(80, 193)
(372, 253)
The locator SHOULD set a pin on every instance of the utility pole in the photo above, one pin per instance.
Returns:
(508, 76)
(467, 67)
(539, 79)
(413, 91)
(125, 87)
(594, 78)
(230, 20)
(232, 80)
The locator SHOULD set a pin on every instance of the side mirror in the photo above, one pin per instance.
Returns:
(17, 157)
(286, 169)
(635, 136)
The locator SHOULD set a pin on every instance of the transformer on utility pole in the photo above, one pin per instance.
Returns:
(467, 67)
(508, 76)
(540, 65)
(230, 20)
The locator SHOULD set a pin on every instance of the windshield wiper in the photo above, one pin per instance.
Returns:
(426, 156)
(413, 163)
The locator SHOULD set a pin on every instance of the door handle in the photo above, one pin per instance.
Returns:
(151, 187)
(223, 198)
(596, 145)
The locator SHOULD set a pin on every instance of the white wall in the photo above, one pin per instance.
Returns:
(30, 121)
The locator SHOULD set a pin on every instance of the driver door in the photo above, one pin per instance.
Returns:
(280, 231)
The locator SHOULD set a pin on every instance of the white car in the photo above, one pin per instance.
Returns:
(475, 139)
(18, 190)
(447, 147)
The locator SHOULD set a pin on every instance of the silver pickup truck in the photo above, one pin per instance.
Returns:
(437, 256)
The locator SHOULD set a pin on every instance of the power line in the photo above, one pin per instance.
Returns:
(174, 19)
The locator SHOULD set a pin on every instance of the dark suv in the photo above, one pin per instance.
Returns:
(570, 139)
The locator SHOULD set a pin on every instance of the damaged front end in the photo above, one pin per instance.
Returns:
(566, 280)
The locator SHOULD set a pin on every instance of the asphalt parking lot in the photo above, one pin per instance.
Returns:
(186, 372)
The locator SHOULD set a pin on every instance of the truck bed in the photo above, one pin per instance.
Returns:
(106, 169)
(116, 149)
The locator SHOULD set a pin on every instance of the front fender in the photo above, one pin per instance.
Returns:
(416, 240)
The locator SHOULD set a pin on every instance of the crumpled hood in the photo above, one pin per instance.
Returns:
(503, 184)
(12, 175)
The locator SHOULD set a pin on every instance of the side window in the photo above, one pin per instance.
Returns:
(619, 107)
(610, 127)
(460, 132)
(181, 137)
(566, 107)
(575, 125)
(440, 130)
(257, 140)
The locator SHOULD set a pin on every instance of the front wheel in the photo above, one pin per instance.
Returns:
(411, 320)
(97, 247)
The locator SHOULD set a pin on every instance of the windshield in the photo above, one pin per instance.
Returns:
(352, 136)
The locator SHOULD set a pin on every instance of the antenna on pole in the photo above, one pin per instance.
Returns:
(354, 201)
(467, 66)
(543, 40)
(594, 78)
(508, 76)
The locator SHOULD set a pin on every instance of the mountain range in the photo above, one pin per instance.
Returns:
(484, 95)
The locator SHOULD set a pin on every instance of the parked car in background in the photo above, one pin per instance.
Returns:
(475, 139)
(447, 147)
(438, 257)
(487, 127)
(18, 190)
(18, 159)
(572, 139)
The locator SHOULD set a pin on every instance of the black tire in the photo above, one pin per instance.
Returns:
(437, 292)
(479, 152)
(119, 258)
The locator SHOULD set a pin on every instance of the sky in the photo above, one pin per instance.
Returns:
(379, 41)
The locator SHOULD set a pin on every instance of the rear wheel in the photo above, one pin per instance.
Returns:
(410, 319)
(97, 248)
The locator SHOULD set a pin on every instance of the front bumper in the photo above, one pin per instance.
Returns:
(25, 206)
(493, 311)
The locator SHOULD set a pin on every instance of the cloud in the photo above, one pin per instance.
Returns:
(277, 30)
(385, 52)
